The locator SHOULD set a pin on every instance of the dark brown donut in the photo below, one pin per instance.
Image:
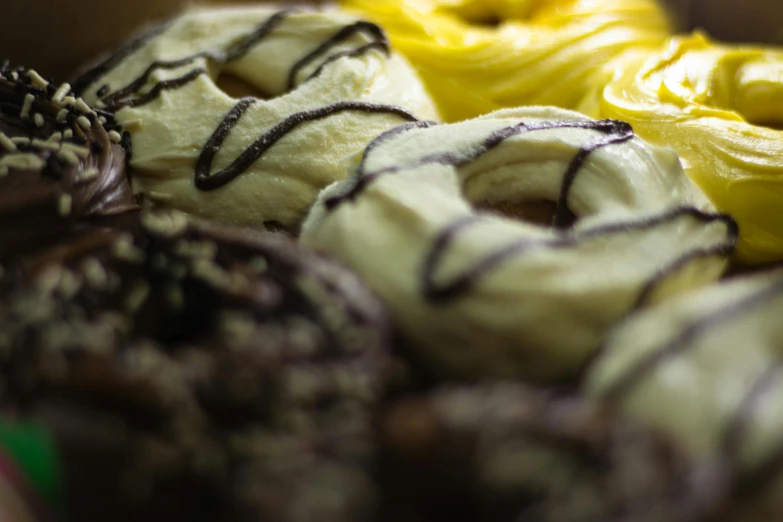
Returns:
(508, 453)
(62, 164)
(195, 372)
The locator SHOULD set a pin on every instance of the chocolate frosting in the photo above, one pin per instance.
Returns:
(62, 164)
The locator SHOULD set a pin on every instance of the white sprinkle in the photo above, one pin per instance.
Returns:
(60, 93)
(57, 136)
(68, 157)
(82, 107)
(27, 105)
(38, 119)
(48, 145)
(123, 248)
(68, 133)
(95, 273)
(14, 75)
(82, 152)
(23, 161)
(88, 175)
(100, 104)
(61, 115)
(137, 296)
(160, 197)
(102, 120)
(3, 171)
(115, 136)
(132, 125)
(20, 140)
(64, 205)
(165, 224)
(83, 122)
(69, 101)
(6, 143)
(37, 79)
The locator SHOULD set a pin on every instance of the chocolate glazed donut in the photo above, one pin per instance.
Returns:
(62, 164)
(195, 372)
(509, 453)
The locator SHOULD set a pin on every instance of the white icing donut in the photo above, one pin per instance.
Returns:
(481, 294)
(707, 368)
(321, 84)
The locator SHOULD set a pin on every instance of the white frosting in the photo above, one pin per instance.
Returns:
(169, 132)
(542, 310)
(706, 367)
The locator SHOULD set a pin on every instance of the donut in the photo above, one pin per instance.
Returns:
(507, 453)
(706, 368)
(426, 221)
(190, 371)
(719, 107)
(241, 115)
(62, 164)
(477, 56)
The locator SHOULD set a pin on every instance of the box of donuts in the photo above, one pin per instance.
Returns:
(391, 261)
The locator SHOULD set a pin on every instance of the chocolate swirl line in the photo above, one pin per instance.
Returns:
(343, 34)
(123, 97)
(206, 181)
(685, 341)
(462, 283)
(617, 132)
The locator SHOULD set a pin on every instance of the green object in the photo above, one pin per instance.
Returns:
(33, 450)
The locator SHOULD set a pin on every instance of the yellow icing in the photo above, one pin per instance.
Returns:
(544, 52)
(715, 105)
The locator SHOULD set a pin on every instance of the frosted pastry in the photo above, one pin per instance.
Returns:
(243, 114)
(481, 294)
(707, 368)
(62, 164)
(717, 106)
(476, 56)
(198, 372)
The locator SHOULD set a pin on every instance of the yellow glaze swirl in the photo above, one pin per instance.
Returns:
(476, 56)
(717, 106)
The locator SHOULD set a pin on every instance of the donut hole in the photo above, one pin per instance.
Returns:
(238, 87)
(540, 212)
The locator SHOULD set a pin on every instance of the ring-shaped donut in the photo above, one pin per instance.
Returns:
(303, 89)
(678, 368)
(481, 294)
(719, 107)
(476, 56)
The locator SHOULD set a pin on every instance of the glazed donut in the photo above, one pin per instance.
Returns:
(62, 164)
(479, 294)
(677, 366)
(506, 453)
(717, 106)
(179, 361)
(302, 91)
(476, 56)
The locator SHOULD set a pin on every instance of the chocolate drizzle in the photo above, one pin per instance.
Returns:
(685, 340)
(206, 181)
(462, 283)
(617, 132)
(380, 42)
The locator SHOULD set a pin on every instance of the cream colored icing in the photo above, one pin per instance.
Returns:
(169, 132)
(707, 368)
(542, 298)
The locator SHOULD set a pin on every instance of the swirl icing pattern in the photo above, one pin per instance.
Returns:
(481, 294)
(242, 115)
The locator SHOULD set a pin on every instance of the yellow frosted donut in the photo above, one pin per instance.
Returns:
(717, 106)
(542, 52)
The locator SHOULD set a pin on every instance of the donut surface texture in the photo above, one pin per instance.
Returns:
(481, 294)
(707, 368)
(191, 371)
(477, 56)
(509, 453)
(719, 106)
(242, 115)
(61, 163)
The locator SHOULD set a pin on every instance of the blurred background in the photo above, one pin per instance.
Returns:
(58, 36)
